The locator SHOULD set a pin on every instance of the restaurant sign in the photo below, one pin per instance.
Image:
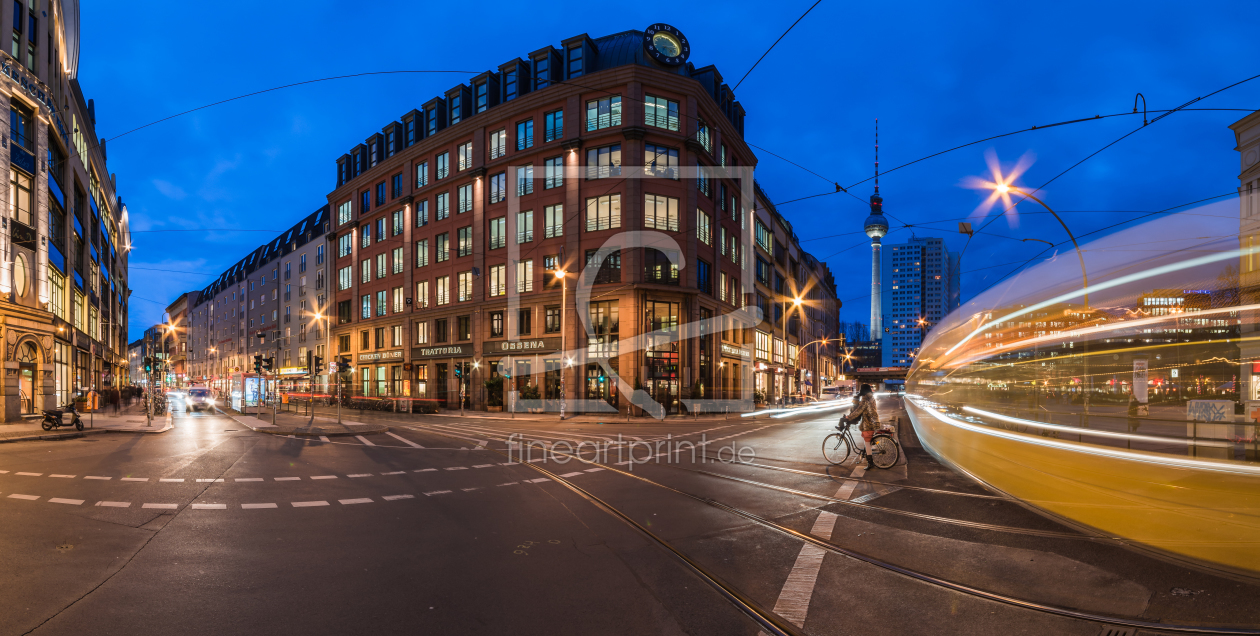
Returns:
(736, 352)
(442, 351)
(396, 354)
(523, 346)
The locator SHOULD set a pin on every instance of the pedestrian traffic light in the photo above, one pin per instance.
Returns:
(258, 361)
(458, 370)
(148, 364)
(268, 363)
(316, 363)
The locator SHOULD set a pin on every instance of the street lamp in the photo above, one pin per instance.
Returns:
(801, 351)
(564, 299)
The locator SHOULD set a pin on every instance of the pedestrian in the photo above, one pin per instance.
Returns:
(1134, 422)
(865, 411)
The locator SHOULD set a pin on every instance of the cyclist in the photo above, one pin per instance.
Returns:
(865, 410)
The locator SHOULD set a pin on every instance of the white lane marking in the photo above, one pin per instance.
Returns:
(135, 479)
(100, 478)
(63, 476)
(621, 463)
(114, 504)
(209, 506)
(397, 497)
(249, 479)
(347, 502)
(436, 492)
(324, 477)
(288, 478)
(793, 603)
(361, 475)
(32, 474)
(205, 481)
(846, 489)
(458, 468)
(177, 481)
(309, 504)
(3, 472)
(26, 497)
(426, 470)
(571, 474)
(257, 506)
(403, 440)
(396, 472)
(161, 506)
(469, 489)
(534, 481)
(592, 470)
(324, 438)
(823, 525)
(483, 466)
(510, 483)
(508, 463)
(364, 440)
(72, 502)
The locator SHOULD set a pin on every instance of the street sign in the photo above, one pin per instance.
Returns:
(332, 367)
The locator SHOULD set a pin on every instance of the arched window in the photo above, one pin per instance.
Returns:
(27, 352)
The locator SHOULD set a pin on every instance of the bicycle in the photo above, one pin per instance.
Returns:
(838, 446)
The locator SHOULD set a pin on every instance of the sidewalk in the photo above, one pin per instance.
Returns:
(129, 420)
(294, 425)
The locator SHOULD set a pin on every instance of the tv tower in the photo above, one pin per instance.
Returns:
(876, 227)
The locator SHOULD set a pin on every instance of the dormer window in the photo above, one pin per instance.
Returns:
(456, 109)
(431, 115)
(482, 97)
(372, 154)
(509, 85)
(409, 131)
(542, 72)
(390, 143)
(575, 62)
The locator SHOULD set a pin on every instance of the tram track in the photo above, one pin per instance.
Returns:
(772, 623)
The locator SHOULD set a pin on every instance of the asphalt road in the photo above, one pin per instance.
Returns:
(438, 527)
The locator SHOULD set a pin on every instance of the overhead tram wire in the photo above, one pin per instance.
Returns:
(776, 42)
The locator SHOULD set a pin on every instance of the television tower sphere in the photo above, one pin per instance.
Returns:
(876, 225)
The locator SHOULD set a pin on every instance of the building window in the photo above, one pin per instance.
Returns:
(422, 294)
(659, 161)
(660, 112)
(525, 226)
(525, 276)
(481, 97)
(343, 213)
(422, 332)
(455, 106)
(465, 286)
(523, 319)
(443, 165)
(552, 321)
(422, 252)
(553, 173)
(397, 226)
(464, 324)
(21, 125)
(704, 228)
(422, 212)
(409, 131)
(608, 270)
(498, 280)
(443, 205)
(498, 232)
(465, 241)
(345, 278)
(525, 134)
(465, 155)
(465, 198)
(660, 212)
(430, 116)
(524, 180)
(365, 202)
(659, 267)
(603, 162)
(704, 276)
(498, 187)
(498, 144)
(382, 266)
(440, 332)
(542, 72)
(443, 291)
(442, 245)
(603, 113)
(373, 154)
(422, 174)
(366, 306)
(365, 236)
(702, 180)
(704, 136)
(20, 197)
(553, 125)
(575, 62)
(395, 186)
(553, 221)
(397, 260)
(345, 244)
(603, 213)
(763, 345)
(509, 84)
(496, 324)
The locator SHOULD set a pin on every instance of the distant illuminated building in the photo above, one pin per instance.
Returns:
(923, 287)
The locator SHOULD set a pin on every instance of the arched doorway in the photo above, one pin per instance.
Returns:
(27, 357)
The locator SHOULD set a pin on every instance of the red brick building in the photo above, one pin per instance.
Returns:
(449, 225)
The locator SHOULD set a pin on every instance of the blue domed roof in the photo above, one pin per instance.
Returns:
(876, 219)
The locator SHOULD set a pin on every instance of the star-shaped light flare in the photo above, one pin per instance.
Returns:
(999, 186)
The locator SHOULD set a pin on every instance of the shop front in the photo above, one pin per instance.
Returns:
(734, 363)
(525, 364)
(447, 373)
(381, 374)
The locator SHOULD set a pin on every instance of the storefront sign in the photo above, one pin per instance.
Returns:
(396, 354)
(442, 351)
(736, 352)
(523, 346)
(292, 370)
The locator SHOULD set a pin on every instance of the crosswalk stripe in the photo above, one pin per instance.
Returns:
(204, 506)
(403, 440)
(846, 489)
(255, 506)
(114, 504)
(72, 502)
(397, 497)
(249, 479)
(364, 440)
(170, 480)
(32, 474)
(100, 478)
(324, 477)
(63, 476)
(26, 497)
(288, 478)
(347, 502)
(309, 504)
(361, 475)
(161, 506)
(324, 438)
(436, 492)
(135, 479)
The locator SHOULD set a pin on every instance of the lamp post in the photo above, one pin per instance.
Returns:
(787, 314)
(801, 351)
(564, 299)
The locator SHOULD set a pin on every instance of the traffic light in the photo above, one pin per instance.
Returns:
(317, 363)
(148, 364)
(458, 370)
(258, 362)
(343, 363)
(268, 363)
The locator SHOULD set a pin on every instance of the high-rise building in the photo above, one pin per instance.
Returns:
(876, 226)
(922, 289)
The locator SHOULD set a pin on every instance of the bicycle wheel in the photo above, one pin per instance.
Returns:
(885, 451)
(836, 448)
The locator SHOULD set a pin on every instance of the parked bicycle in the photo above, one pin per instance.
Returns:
(885, 451)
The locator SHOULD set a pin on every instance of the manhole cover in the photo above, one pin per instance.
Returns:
(64, 547)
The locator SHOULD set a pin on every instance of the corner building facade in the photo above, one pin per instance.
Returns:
(450, 224)
(64, 238)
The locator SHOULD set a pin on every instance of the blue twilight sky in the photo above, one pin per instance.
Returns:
(935, 74)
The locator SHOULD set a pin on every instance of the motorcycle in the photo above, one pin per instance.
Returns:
(52, 419)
